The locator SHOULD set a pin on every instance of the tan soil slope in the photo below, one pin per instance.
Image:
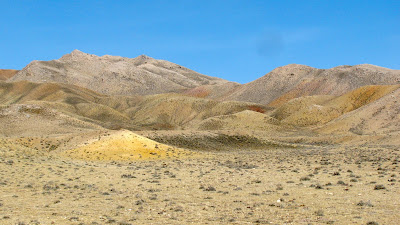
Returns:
(314, 110)
(70, 99)
(379, 117)
(292, 81)
(6, 74)
(23, 91)
(114, 75)
(163, 111)
(173, 111)
(125, 145)
(33, 129)
(218, 92)
(300, 104)
(244, 120)
(27, 120)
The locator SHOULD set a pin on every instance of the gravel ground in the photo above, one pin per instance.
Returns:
(269, 186)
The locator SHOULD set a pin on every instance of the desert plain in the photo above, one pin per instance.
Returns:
(111, 140)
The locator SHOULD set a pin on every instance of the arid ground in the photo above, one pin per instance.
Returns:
(110, 140)
(307, 185)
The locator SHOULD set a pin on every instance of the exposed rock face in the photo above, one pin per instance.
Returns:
(114, 75)
(292, 81)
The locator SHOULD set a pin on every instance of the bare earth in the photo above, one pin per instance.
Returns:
(110, 140)
(324, 185)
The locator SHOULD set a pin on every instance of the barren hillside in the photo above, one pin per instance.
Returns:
(162, 111)
(314, 110)
(6, 74)
(379, 117)
(29, 120)
(116, 75)
(292, 81)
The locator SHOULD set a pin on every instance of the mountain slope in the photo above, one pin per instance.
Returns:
(314, 110)
(33, 120)
(174, 111)
(162, 111)
(114, 75)
(380, 117)
(6, 74)
(292, 81)
(254, 121)
(72, 100)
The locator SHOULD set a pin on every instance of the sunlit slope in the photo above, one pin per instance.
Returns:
(163, 111)
(114, 75)
(293, 81)
(71, 100)
(6, 74)
(126, 145)
(34, 121)
(314, 110)
(244, 120)
(379, 117)
(173, 111)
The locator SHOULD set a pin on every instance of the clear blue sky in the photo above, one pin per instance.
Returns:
(235, 40)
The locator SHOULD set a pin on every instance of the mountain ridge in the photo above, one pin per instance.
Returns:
(294, 80)
(115, 75)
(144, 75)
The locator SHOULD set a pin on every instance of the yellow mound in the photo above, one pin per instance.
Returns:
(125, 145)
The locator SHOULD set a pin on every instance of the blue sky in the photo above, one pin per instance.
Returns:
(235, 40)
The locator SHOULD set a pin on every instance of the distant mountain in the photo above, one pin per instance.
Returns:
(114, 75)
(292, 81)
(6, 74)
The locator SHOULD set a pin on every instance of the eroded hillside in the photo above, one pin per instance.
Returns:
(114, 75)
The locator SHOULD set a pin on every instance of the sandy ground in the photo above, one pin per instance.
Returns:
(324, 185)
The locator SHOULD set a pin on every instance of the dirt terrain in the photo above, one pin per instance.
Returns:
(6, 74)
(297, 146)
(313, 185)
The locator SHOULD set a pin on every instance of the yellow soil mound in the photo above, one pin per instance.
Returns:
(125, 145)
